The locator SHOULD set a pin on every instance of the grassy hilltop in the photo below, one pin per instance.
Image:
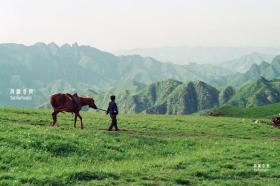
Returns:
(150, 150)
(259, 112)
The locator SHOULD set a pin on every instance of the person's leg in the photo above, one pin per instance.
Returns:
(112, 124)
(116, 123)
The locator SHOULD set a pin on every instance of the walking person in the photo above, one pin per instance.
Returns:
(113, 111)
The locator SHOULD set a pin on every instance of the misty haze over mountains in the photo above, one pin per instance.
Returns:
(49, 68)
(203, 55)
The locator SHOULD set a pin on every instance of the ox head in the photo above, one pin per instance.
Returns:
(92, 104)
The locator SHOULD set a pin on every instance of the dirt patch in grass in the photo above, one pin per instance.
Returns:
(181, 181)
(89, 175)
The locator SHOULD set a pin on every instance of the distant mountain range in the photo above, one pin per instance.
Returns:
(171, 97)
(142, 84)
(175, 97)
(260, 92)
(267, 70)
(48, 68)
(243, 63)
(203, 55)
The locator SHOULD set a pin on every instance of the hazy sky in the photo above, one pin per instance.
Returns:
(124, 24)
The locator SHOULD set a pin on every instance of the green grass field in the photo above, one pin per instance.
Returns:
(149, 150)
(259, 112)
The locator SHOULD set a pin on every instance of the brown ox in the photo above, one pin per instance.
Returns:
(70, 103)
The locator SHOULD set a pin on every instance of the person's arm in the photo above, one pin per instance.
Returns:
(108, 109)
(116, 109)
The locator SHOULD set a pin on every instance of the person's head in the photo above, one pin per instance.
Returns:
(113, 98)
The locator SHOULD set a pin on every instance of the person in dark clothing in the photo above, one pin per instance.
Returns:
(113, 111)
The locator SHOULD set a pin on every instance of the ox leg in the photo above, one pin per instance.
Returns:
(54, 116)
(81, 119)
(75, 120)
